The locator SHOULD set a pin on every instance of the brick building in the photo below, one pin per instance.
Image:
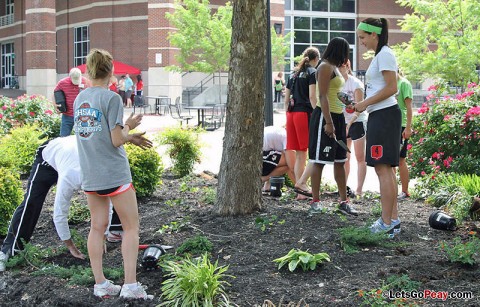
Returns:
(41, 40)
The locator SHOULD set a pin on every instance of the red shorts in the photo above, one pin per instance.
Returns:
(297, 130)
(112, 191)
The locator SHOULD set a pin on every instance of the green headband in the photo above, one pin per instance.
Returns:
(369, 28)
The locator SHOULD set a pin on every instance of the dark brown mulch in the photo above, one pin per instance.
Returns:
(249, 251)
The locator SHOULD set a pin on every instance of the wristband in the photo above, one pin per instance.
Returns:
(328, 123)
(129, 127)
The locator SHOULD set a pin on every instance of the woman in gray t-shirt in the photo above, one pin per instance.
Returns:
(100, 134)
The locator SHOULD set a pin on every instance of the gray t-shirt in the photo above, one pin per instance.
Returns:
(102, 165)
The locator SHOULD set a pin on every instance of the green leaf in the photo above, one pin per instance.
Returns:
(292, 265)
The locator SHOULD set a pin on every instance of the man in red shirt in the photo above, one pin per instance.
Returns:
(71, 86)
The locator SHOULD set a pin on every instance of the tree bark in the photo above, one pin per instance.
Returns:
(239, 183)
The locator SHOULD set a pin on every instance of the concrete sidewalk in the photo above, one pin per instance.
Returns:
(212, 146)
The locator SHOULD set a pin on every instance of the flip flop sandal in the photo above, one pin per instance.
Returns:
(303, 192)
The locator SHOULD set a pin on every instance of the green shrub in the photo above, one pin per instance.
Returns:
(183, 149)
(78, 275)
(78, 213)
(197, 245)
(146, 167)
(29, 110)
(195, 283)
(446, 136)
(462, 252)
(10, 196)
(18, 148)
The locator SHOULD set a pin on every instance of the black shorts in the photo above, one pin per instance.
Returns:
(403, 145)
(383, 136)
(271, 158)
(356, 131)
(322, 148)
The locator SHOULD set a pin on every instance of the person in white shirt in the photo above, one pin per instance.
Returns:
(356, 127)
(56, 162)
(384, 119)
(274, 161)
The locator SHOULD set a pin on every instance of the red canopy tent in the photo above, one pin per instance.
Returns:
(119, 68)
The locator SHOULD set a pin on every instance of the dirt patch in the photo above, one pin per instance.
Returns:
(249, 252)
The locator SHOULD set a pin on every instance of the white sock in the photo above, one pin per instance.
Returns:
(395, 221)
(131, 286)
(103, 284)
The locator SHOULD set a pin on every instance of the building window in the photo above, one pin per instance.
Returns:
(343, 6)
(9, 7)
(321, 21)
(81, 45)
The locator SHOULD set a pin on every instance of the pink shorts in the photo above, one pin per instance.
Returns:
(297, 130)
(112, 191)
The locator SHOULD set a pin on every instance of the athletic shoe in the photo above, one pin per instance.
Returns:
(396, 226)
(3, 261)
(114, 236)
(346, 208)
(137, 293)
(403, 196)
(107, 290)
(315, 207)
(380, 227)
(350, 192)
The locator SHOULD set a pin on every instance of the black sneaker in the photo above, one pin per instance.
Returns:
(397, 227)
(346, 208)
(350, 193)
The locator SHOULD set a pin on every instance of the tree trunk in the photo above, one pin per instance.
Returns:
(239, 183)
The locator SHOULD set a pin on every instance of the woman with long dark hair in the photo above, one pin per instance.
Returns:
(384, 120)
(328, 125)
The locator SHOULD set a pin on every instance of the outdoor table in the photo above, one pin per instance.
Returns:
(200, 113)
(160, 101)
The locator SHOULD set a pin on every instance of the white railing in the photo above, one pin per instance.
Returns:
(6, 20)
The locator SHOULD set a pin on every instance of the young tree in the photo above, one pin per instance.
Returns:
(239, 187)
(445, 43)
(203, 38)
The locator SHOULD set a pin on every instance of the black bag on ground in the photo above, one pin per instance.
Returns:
(60, 100)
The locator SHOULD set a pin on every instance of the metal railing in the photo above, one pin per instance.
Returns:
(6, 20)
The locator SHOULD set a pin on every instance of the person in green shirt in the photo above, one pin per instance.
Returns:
(404, 98)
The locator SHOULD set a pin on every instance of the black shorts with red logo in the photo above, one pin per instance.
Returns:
(383, 136)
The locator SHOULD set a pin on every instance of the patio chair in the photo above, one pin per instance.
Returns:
(216, 117)
(139, 102)
(176, 112)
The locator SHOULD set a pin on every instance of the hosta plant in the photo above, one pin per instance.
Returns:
(303, 259)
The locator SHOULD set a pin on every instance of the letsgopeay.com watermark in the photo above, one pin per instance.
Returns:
(428, 294)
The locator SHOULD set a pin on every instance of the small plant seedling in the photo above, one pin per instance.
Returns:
(462, 252)
(266, 222)
(175, 226)
(304, 259)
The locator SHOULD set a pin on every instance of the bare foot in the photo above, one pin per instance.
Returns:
(301, 197)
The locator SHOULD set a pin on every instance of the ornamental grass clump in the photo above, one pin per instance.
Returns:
(195, 283)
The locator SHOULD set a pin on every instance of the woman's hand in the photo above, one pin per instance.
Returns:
(139, 140)
(134, 121)
(361, 106)
(329, 129)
